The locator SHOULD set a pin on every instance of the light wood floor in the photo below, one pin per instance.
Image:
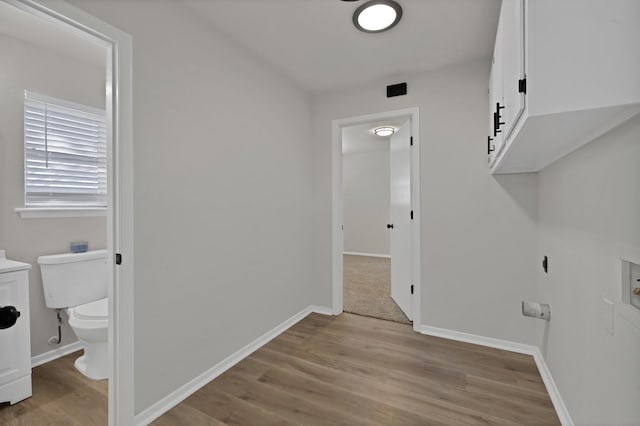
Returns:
(61, 396)
(356, 370)
(326, 370)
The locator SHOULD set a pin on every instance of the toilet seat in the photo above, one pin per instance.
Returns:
(97, 310)
(90, 315)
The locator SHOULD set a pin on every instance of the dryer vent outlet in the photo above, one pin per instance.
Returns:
(536, 310)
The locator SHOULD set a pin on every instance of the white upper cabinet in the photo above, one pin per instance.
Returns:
(578, 62)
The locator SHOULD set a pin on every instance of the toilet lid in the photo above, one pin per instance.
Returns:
(93, 311)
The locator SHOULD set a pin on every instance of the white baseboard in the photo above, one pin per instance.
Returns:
(549, 383)
(55, 354)
(477, 340)
(174, 398)
(321, 310)
(552, 389)
(353, 253)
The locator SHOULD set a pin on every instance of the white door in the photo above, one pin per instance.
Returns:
(400, 225)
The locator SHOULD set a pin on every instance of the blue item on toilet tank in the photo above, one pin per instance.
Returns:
(79, 246)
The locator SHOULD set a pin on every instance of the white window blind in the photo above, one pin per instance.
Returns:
(65, 151)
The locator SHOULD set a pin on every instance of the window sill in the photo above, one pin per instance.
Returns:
(53, 212)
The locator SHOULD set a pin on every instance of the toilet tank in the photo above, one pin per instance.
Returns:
(73, 279)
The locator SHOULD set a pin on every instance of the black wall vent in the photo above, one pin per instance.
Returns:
(396, 90)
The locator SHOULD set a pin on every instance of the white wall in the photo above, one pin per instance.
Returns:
(366, 186)
(478, 231)
(27, 66)
(222, 187)
(589, 220)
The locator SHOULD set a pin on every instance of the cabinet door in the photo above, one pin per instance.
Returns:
(512, 55)
(495, 97)
(15, 352)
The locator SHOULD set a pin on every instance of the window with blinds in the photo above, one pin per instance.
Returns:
(65, 153)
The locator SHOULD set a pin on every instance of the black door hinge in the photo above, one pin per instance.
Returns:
(411, 215)
(522, 86)
(118, 259)
(411, 141)
(411, 288)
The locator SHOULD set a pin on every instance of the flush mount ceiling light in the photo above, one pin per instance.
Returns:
(376, 16)
(384, 131)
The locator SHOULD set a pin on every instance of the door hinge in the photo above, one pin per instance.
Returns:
(411, 141)
(411, 215)
(411, 288)
(118, 259)
(522, 86)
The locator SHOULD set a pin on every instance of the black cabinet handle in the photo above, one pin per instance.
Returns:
(496, 124)
(497, 117)
(389, 225)
(8, 316)
(496, 120)
(490, 148)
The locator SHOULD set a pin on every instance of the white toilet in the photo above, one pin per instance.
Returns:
(78, 281)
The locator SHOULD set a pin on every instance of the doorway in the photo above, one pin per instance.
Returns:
(75, 30)
(375, 172)
(376, 220)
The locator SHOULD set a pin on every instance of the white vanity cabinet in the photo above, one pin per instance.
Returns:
(569, 72)
(15, 343)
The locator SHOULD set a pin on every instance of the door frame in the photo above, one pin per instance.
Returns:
(337, 233)
(120, 190)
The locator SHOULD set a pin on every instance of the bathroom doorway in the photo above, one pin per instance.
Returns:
(376, 220)
(77, 69)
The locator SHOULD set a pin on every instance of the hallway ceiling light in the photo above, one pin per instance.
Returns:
(384, 131)
(376, 16)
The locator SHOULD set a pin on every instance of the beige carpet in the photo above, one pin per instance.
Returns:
(367, 288)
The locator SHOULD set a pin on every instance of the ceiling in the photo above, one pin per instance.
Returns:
(314, 42)
(24, 26)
